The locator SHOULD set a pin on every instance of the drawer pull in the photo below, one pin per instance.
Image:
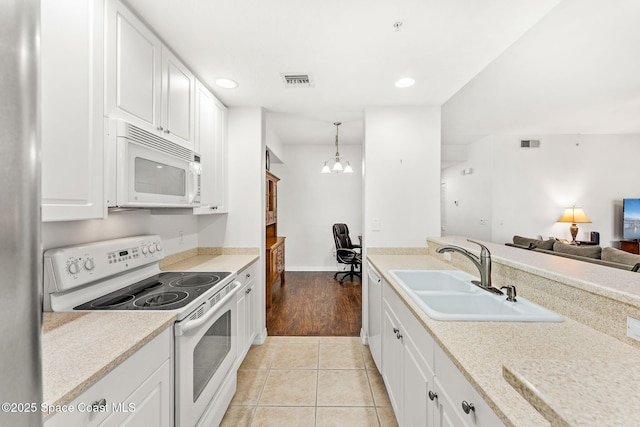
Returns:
(97, 407)
(432, 395)
(468, 407)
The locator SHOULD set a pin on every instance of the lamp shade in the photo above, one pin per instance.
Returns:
(574, 215)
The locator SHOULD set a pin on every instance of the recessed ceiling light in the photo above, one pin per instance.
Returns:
(227, 83)
(405, 82)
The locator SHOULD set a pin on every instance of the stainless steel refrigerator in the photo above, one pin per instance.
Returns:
(20, 253)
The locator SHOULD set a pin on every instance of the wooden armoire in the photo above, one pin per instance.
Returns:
(274, 243)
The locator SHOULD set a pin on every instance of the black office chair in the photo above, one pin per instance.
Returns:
(346, 253)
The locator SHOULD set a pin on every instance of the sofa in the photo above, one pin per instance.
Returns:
(610, 257)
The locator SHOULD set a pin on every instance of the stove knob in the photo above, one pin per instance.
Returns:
(158, 247)
(89, 264)
(145, 250)
(73, 268)
(152, 248)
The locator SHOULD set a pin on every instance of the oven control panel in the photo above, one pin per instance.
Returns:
(69, 267)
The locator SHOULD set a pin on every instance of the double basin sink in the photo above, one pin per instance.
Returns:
(450, 295)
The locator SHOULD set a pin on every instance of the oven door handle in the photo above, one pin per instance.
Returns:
(183, 328)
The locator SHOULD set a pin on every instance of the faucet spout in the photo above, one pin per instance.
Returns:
(482, 263)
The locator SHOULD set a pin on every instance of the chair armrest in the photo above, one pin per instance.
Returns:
(348, 256)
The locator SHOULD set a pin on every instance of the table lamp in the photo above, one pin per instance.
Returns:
(574, 215)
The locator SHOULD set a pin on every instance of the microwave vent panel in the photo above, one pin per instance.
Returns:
(152, 141)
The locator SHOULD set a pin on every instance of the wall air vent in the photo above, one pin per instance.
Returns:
(530, 143)
(297, 80)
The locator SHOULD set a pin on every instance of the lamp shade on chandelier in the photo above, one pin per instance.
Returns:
(335, 163)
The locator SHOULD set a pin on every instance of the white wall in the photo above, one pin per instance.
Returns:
(402, 177)
(243, 226)
(125, 224)
(531, 187)
(309, 203)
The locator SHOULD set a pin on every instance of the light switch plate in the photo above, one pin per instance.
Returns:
(633, 328)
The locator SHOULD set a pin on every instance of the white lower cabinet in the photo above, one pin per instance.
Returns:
(424, 386)
(247, 304)
(138, 392)
(407, 362)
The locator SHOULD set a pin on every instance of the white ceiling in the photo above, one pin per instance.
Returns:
(350, 47)
(576, 71)
(496, 66)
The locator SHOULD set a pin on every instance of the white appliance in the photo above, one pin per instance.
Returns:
(374, 288)
(123, 274)
(144, 170)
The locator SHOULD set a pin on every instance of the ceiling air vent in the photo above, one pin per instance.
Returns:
(529, 143)
(297, 80)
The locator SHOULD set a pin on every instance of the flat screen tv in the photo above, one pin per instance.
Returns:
(631, 218)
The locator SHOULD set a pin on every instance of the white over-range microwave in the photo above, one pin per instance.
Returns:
(146, 171)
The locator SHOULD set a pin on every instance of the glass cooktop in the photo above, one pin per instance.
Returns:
(164, 291)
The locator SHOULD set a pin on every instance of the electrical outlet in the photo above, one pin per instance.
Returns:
(633, 328)
(482, 221)
(180, 237)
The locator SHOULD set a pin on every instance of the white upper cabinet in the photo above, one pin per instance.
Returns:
(133, 69)
(178, 88)
(72, 110)
(147, 84)
(211, 144)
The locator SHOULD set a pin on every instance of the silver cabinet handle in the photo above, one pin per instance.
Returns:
(432, 395)
(468, 407)
(166, 131)
(160, 128)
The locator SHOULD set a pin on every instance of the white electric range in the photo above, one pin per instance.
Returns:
(124, 274)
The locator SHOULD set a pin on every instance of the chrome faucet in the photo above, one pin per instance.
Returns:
(482, 263)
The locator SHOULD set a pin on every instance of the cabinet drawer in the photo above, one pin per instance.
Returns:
(458, 389)
(248, 274)
(118, 386)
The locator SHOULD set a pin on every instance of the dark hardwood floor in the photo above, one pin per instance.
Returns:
(314, 303)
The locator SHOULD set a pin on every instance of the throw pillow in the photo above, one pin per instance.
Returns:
(621, 257)
(539, 244)
(585, 251)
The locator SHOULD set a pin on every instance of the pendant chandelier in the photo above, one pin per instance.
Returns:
(337, 160)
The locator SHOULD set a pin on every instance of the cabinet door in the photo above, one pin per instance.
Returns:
(392, 359)
(72, 110)
(241, 316)
(134, 69)
(418, 380)
(446, 414)
(250, 320)
(204, 140)
(220, 176)
(178, 89)
(150, 403)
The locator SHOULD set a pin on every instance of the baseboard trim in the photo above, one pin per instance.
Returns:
(311, 268)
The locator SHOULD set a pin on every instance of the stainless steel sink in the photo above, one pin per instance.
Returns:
(450, 295)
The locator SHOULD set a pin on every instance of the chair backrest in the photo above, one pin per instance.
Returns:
(341, 236)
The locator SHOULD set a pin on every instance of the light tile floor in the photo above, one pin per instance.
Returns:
(309, 381)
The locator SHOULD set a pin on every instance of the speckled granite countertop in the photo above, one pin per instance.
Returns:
(480, 350)
(233, 263)
(80, 348)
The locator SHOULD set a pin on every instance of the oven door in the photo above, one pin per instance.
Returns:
(205, 353)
